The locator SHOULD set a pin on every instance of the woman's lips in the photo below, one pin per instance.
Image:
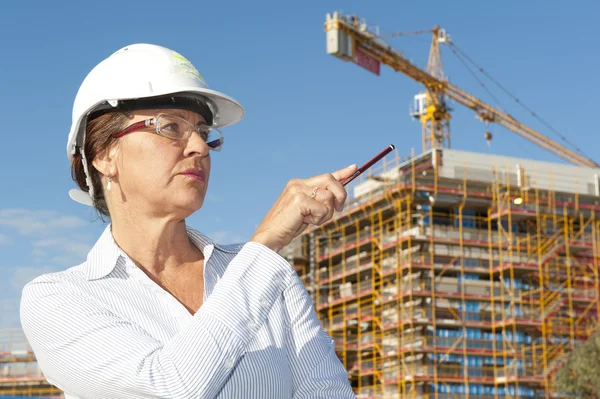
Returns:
(195, 174)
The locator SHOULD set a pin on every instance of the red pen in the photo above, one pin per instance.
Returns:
(366, 166)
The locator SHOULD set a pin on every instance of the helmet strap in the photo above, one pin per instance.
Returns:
(88, 177)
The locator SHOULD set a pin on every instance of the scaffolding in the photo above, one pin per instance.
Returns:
(20, 374)
(457, 275)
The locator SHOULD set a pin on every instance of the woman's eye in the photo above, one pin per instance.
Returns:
(203, 133)
(171, 127)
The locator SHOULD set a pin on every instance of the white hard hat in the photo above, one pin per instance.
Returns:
(137, 72)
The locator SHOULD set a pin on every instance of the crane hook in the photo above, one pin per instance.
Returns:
(488, 138)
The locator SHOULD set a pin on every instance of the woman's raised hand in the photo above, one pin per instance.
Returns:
(302, 202)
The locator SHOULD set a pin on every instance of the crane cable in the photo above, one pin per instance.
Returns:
(396, 34)
(573, 146)
(478, 80)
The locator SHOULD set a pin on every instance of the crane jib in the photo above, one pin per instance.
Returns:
(352, 41)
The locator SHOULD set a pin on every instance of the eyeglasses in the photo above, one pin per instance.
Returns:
(177, 128)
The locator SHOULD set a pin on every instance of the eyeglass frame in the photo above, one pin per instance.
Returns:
(152, 121)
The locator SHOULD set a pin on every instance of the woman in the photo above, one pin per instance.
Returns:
(158, 310)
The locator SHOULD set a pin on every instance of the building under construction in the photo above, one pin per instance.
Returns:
(20, 373)
(455, 274)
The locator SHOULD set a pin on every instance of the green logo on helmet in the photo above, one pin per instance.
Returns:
(186, 67)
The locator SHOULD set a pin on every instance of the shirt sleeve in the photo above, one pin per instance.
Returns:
(89, 351)
(316, 369)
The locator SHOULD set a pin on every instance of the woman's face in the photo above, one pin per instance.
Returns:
(161, 176)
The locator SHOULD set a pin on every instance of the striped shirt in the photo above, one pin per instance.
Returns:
(104, 329)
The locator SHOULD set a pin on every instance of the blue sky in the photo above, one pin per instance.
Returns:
(306, 112)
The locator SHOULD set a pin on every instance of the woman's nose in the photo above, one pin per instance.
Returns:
(196, 145)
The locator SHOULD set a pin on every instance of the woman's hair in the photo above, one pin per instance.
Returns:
(98, 138)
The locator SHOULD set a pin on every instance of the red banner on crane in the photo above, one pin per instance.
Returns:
(366, 61)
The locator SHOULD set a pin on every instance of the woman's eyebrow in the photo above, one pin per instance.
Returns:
(179, 114)
(182, 115)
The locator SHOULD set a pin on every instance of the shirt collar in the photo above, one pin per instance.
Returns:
(105, 254)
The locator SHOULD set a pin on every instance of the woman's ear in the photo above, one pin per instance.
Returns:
(105, 162)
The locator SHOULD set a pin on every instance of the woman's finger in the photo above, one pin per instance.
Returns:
(314, 212)
(326, 198)
(326, 183)
(344, 173)
(330, 181)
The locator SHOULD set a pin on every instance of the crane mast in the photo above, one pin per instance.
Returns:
(433, 110)
(352, 41)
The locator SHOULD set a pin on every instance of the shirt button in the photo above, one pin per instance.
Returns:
(229, 363)
(251, 325)
(263, 302)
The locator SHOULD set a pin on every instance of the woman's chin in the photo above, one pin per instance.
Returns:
(189, 201)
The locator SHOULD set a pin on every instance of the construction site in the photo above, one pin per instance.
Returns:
(449, 274)
(453, 274)
(20, 374)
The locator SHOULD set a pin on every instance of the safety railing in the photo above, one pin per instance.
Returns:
(346, 242)
(14, 346)
(345, 269)
(340, 293)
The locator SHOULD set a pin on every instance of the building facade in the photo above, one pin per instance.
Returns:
(457, 274)
(20, 374)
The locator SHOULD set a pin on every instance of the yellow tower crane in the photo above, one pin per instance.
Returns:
(351, 40)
